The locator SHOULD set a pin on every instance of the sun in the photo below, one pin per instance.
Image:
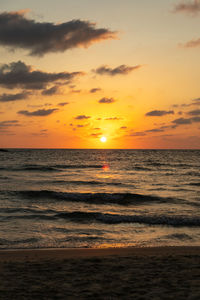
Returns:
(103, 139)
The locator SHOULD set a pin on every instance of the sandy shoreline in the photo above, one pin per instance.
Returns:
(115, 273)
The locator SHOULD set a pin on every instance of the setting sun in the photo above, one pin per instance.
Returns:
(103, 139)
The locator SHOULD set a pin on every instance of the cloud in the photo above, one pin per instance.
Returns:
(107, 100)
(95, 135)
(184, 121)
(75, 91)
(14, 97)
(159, 113)
(81, 125)
(16, 31)
(20, 75)
(192, 44)
(139, 133)
(37, 113)
(63, 103)
(155, 130)
(113, 119)
(82, 117)
(188, 7)
(195, 112)
(51, 91)
(10, 123)
(120, 70)
(195, 119)
(194, 102)
(95, 90)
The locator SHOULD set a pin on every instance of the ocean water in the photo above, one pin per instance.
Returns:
(99, 198)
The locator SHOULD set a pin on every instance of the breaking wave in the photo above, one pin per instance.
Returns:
(95, 198)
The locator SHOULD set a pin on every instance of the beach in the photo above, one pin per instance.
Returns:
(112, 273)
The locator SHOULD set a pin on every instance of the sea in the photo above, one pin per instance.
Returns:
(65, 198)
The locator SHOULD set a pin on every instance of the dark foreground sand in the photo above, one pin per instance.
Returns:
(131, 273)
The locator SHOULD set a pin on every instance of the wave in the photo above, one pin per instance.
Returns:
(47, 168)
(79, 216)
(109, 219)
(95, 198)
(194, 183)
(89, 182)
(5, 242)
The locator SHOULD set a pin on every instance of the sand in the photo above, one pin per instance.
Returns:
(121, 273)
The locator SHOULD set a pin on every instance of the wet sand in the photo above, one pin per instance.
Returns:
(116, 273)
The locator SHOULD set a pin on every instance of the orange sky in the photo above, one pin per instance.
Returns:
(73, 72)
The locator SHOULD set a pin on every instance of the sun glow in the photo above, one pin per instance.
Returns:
(103, 139)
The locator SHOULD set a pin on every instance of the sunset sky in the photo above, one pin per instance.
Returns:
(72, 72)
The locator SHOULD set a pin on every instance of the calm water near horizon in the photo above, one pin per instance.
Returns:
(99, 198)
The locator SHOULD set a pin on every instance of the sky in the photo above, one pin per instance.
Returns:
(72, 72)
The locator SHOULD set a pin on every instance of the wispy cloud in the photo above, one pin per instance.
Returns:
(107, 100)
(186, 121)
(113, 119)
(14, 97)
(9, 123)
(159, 113)
(63, 103)
(82, 117)
(191, 44)
(195, 112)
(17, 31)
(188, 7)
(51, 91)
(95, 90)
(20, 75)
(120, 70)
(37, 113)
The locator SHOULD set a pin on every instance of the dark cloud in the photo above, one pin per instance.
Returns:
(51, 91)
(95, 135)
(95, 90)
(113, 119)
(159, 113)
(16, 31)
(42, 133)
(196, 101)
(195, 119)
(37, 113)
(192, 44)
(9, 123)
(139, 133)
(14, 97)
(155, 130)
(183, 121)
(107, 100)
(82, 117)
(189, 7)
(81, 125)
(195, 112)
(63, 103)
(120, 70)
(20, 75)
